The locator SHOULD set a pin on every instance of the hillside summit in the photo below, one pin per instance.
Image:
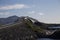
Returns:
(24, 28)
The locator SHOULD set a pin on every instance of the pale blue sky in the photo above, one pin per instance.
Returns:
(47, 11)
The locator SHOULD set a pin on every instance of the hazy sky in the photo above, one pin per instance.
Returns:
(47, 11)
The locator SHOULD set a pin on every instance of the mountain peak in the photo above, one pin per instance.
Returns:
(12, 16)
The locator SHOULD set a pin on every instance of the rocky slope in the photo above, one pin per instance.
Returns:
(24, 28)
(17, 31)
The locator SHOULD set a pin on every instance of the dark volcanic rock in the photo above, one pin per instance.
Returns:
(56, 35)
(23, 28)
(19, 31)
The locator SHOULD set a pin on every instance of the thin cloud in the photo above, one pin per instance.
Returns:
(16, 6)
(41, 14)
(32, 12)
(37, 13)
(4, 13)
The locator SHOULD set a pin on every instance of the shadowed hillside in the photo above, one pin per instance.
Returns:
(25, 28)
(17, 31)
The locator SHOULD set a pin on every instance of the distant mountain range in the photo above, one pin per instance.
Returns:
(8, 20)
(13, 19)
